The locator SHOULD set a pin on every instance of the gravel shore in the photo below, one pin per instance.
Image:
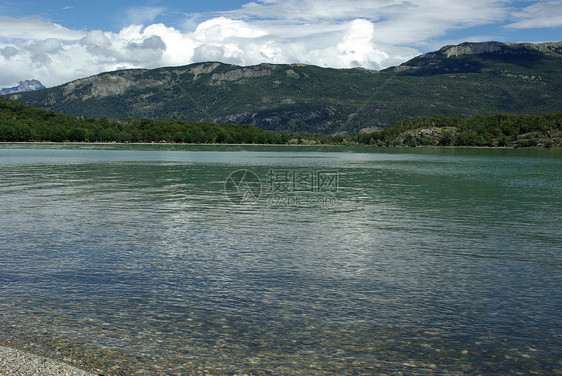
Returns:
(20, 363)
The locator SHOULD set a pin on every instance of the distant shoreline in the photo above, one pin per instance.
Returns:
(277, 145)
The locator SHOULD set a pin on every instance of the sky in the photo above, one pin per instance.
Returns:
(59, 41)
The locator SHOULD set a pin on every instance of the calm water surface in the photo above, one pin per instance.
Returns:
(133, 260)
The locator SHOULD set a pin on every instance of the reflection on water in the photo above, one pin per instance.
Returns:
(131, 259)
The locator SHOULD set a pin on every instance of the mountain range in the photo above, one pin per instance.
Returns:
(467, 79)
(27, 85)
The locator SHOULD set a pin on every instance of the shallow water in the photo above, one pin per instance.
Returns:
(133, 259)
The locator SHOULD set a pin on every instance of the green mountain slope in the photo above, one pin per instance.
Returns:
(468, 79)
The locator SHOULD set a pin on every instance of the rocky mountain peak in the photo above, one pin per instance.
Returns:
(27, 85)
(472, 48)
(481, 57)
(469, 48)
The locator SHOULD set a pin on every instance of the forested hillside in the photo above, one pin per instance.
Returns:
(495, 130)
(20, 123)
(467, 80)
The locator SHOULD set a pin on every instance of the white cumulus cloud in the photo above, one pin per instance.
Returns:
(48, 46)
(223, 29)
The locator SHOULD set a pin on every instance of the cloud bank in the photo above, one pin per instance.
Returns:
(540, 15)
(372, 34)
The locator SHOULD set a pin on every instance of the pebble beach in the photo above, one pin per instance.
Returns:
(20, 363)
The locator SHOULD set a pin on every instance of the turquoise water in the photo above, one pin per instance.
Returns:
(132, 259)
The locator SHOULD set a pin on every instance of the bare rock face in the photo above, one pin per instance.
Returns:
(472, 49)
(204, 68)
(237, 74)
(548, 48)
(427, 136)
(109, 84)
(292, 74)
(97, 87)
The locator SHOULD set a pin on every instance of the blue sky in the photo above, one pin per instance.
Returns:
(112, 15)
(58, 41)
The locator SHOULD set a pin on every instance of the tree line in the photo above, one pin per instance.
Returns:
(498, 130)
(22, 123)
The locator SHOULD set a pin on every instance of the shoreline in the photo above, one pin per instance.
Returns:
(282, 145)
(14, 362)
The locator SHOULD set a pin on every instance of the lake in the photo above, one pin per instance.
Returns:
(268, 260)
